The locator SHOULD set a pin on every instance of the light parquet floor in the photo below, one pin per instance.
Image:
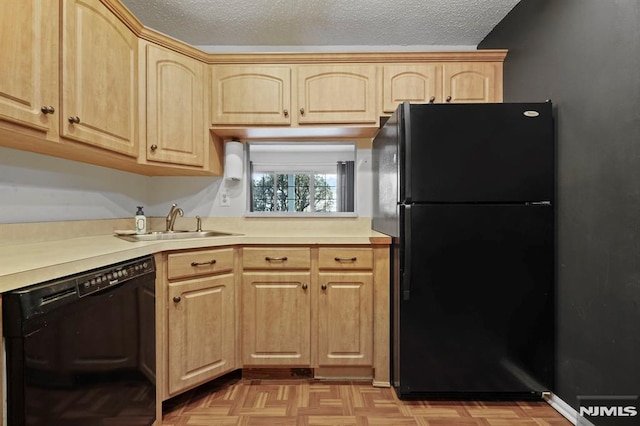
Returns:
(306, 402)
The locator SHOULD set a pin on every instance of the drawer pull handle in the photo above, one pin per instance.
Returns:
(74, 119)
(211, 262)
(323, 286)
(275, 259)
(47, 110)
(305, 286)
(346, 259)
(177, 299)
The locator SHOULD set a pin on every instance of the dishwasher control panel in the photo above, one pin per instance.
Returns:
(92, 282)
(35, 300)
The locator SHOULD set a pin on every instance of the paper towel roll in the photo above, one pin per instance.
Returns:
(233, 159)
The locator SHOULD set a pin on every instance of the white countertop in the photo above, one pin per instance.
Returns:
(31, 263)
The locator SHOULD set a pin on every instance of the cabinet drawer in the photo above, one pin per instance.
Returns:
(345, 258)
(276, 258)
(195, 263)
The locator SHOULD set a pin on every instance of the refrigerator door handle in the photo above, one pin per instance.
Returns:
(406, 267)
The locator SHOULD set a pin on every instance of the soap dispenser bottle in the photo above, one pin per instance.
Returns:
(141, 221)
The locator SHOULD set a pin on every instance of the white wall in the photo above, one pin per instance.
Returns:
(38, 188)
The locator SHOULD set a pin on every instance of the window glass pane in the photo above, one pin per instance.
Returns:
(301, 178)
(303, 193)
(262, 191)
(325, 192)
(282, 193)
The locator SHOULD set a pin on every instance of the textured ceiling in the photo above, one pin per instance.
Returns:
(323, 25)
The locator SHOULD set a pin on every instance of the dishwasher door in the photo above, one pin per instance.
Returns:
(89, 360)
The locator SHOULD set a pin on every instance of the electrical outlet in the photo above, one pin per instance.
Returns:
(224, 199)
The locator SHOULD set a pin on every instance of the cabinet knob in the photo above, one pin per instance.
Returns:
(301, 111)
(448, 99)
(154, 147)
(74, 120)
(286, 112)
(47, 110)
(176, 299)
(305, 286)
(323, 286)
(432, 99)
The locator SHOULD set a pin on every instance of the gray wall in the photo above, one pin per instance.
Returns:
(584, 55)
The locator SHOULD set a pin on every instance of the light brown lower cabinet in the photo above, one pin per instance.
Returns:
(345, 319)
(319, 307)
(321, 315)
(201, 337)
(276, 319)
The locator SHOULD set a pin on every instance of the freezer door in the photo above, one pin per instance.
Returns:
(479, 153)
(476, 301)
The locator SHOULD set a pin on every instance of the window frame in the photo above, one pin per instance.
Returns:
(321, 167)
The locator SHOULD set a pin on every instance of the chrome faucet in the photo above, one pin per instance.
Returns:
(171, 217)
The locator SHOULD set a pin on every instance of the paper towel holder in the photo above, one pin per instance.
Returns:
(233, 159)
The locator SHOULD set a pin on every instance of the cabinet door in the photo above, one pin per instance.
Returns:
(251, 95)
(337, 94)
(176, 130)
(29, 58)
(276, 319)
(99, 78)
(416, 83)
(201, 330)
(345, 319)
(472, 82)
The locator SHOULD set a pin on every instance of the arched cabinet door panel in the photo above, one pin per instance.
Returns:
(251, 95)
(29, 58)
(415, 83)
(336, 94)
(176, 130)
(99, 78)
(467, 82)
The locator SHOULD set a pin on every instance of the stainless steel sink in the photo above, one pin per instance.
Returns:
(173, 235)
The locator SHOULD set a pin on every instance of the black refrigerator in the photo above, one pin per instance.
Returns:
(467, 191)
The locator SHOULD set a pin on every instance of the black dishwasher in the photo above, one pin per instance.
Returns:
(81, 349)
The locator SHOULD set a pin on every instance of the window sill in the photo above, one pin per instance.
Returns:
(298, 215)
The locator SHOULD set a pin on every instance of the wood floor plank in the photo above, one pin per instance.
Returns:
(311, 403)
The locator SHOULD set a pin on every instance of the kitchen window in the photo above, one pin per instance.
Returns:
(302, 179)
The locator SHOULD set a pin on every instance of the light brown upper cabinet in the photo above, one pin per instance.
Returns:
(176, 129)
(324, 94)
(336, 94)
(251, 95)
(99, 78)
(29, 58)
(441, 82)
(472, 82)
(416, 83)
